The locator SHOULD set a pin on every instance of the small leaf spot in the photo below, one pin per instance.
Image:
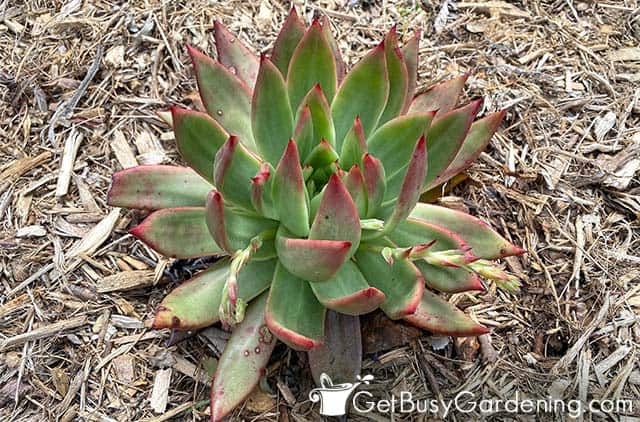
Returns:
(246, 353)
(219, 112)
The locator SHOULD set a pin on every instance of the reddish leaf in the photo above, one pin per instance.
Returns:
(476, 141)
(348, 292)
(326, 29)
(442, 97)
(235, 55)
(243, 361)
(233, 170)
(354, 182)
(226, 98)
(311, 259)
(288, 38)
(410, 53)
(195, 303)
(438, 316)
(398, 78)
(445, 138)
(485, 242)
(354, 146)
(178, 233)
(156, 187)
(337, 217)
(411, 186)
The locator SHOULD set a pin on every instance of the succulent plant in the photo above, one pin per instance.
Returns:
(305, 180)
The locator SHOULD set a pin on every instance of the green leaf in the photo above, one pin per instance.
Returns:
(363, 93)
(401, 282)
(243, 361)
(326, 29)
(321, 156)
(442, 97)
(289, 194)
(233, 170)
(288, 38)
(177, 233)
(196, 302)
(354, 146)
(233, 230)
(312, 63)
(226, 98)
(337, 217)
(262, 192)
(340, 357)
(410, 54)
(411, 186)
(485, 242)
(393, 143)
(476, 141)
(348, 292)
(303, 134)
(198, 137)
(155, 187)
(310, 259)
(438, 316)
(374, 183)
(444, 139)
(354, 182)
(398, 78)
(233, 54)
(414, 232)
(271, 115)
(320, 114)
(293, 313)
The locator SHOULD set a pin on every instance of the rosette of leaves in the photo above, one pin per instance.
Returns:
(305, 180)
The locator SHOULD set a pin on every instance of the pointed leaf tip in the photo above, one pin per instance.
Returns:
(290, 34)
(312, 62)
(438, 316)
(235, 55)
(271, 114)
(165, 231)
(337, 217)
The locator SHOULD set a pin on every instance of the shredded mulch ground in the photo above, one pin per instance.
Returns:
(80, 85)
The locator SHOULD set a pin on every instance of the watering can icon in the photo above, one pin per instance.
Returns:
(333, 398)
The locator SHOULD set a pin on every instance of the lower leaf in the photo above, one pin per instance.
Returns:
(195, 303)
(156, 187)
(178, 233)
(438, 316)
(293, 313)
(243, 361)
